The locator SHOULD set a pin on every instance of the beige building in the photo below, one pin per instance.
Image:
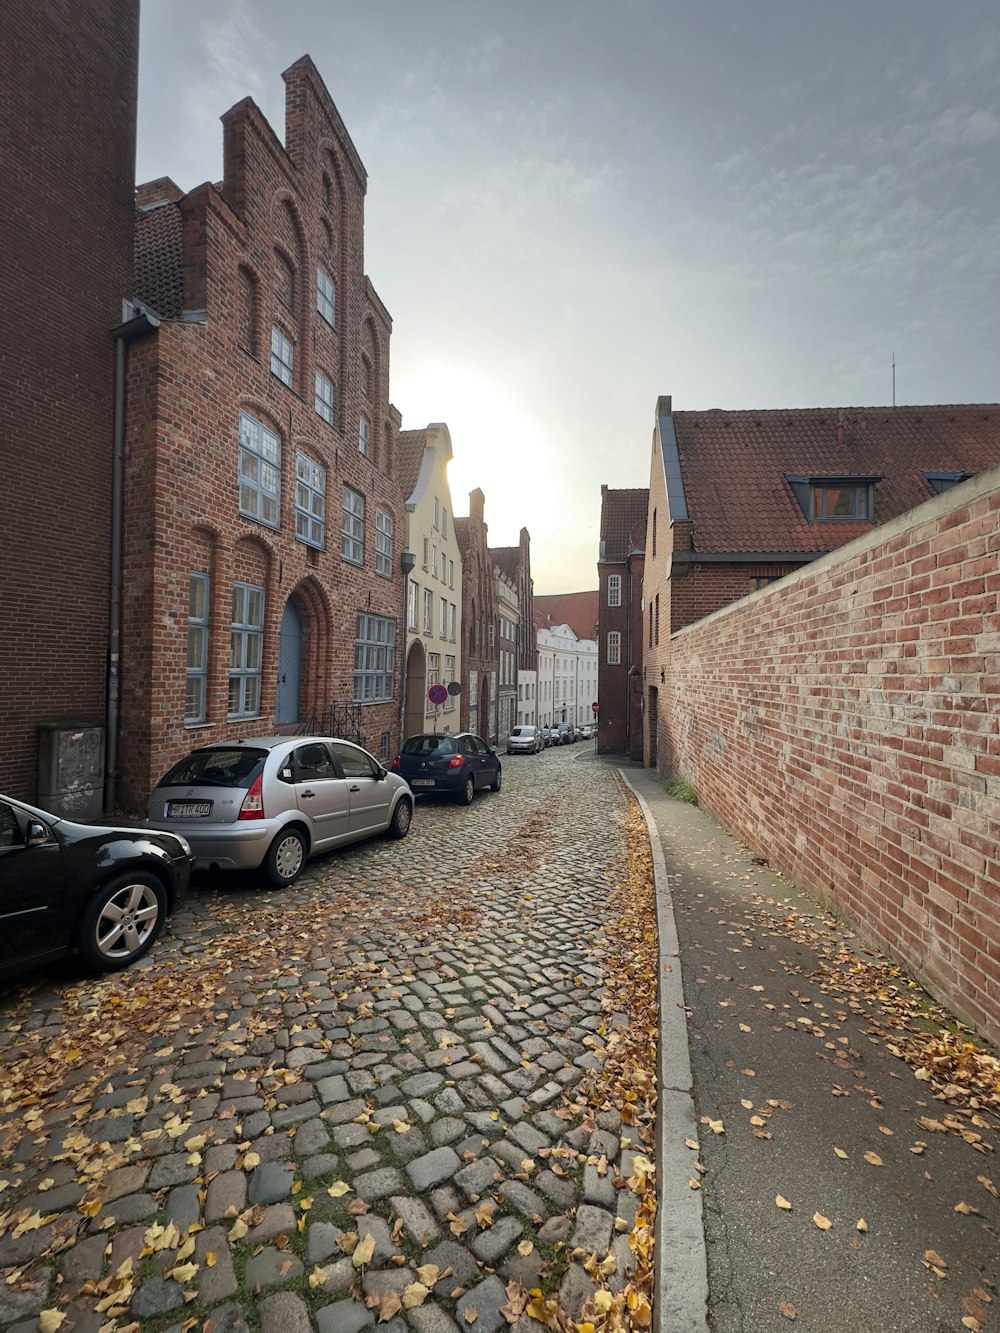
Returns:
(434, 589)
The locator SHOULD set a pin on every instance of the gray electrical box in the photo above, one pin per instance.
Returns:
(71, 769)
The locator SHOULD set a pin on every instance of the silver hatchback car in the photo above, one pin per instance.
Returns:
(273, 801)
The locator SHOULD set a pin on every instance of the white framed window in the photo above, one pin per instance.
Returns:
(324, 397)
(428, 611)
(383, 544)
(427, 547)
(433, 675)
(363, 433)
(614, 648)
(374, 659)
(614, 590)
(260, 472)
(326, 296)
(310, 502)
(451, 573)
(195, 700)
(452, 621)
(246, 645)
(442, 618)
(449, 676)
(282, 356)
(437, 513)
(444, 522)
(352, 527)
(412, 601)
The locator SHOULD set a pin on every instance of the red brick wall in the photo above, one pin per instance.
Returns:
(187, 386)
(846, 722)
(619, 724)
(68, 76)
(479, 611)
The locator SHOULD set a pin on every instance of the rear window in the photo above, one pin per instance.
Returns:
(236, 767)
(425, 745)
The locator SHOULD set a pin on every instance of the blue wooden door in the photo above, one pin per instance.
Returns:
(289, 666)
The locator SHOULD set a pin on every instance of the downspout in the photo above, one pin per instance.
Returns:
(141, 324)
(407, 560)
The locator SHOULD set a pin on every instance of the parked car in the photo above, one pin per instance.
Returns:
(439, 764)
(586, 733)
(525, 740)
(548, 737)
(101, 889)
(566, 734)
(274, 801)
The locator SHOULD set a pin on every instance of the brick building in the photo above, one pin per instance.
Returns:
(739, 499)
(618, 609)
(480, 654)
(68, 80)
(263, 513)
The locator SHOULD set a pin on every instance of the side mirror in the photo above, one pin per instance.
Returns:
(38, 834)
(381, 774)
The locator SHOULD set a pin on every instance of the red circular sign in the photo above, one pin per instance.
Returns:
(596, 707)
(437, 694)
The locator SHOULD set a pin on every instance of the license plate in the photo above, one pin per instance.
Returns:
(422, 782)
(188, 809)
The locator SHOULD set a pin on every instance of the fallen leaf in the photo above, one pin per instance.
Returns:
(822, 1222)
(787, 1309)
(471, 1314)
(390, 1305)
(861, 1225)
(50, 1321)
(363, 1251)
(428, 1274)
(692, 1143)
(525, 1247)
(339, 1188)
(416, 1293)
(988, 1185)
(317, 1277)
(972, 1323)
(401, 1127)
(782, 1203)
(603, 1301)
(840, 1153)
(873, 1159)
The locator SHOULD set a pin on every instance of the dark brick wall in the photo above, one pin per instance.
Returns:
(68, 78)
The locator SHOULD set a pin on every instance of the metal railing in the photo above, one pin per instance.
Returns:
(340, 719)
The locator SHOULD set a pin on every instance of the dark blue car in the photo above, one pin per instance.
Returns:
(438, 764)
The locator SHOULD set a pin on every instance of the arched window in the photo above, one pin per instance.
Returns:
(246, 317)
(284, 280)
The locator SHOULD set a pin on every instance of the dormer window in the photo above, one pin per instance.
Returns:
(940, 482)
(836, 499)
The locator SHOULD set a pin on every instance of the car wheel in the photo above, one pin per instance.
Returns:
(468, 794)
(285, 858)
(402, 818)
(495, 784)
(122, 921)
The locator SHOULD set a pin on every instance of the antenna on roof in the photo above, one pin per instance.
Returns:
(894, 378)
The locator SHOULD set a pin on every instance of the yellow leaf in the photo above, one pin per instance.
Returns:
(782, 1203)
(603, 1301)
(822, 1222)
(747, 1106)
(965, 1209)
(390, 1305)
(971, 1322)
(873, 1159)
(862, 1225)
(50, 1321)
(339, 1188)
(195, 1144)
(527, 1166)
(471, 1314)
(211, 1258)
(183, 1272)
(428, 1274)
(494, 1115)
(250, 1160)
(363, 1251)
(417, 1292)
(787, 1309)
(401, 1127)
(692, 1143)
(238, 1230)
(525, 1247)
(716, 1126)
(609, 1265)
(45, 1184)
(744, 1028)
(317, 1277)
(841, 1154)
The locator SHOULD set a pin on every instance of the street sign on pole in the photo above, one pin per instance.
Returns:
(596, 706)
(437, 694)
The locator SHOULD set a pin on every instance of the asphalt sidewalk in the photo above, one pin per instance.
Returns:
(777, 1027)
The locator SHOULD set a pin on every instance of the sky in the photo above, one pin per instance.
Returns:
(575, 206)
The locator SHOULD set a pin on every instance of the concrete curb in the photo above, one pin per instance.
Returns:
(681, 1292)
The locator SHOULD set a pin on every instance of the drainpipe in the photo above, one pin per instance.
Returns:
(143, 322)
(406, 562)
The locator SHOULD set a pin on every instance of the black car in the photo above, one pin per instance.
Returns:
(439, 764)
(101, 890)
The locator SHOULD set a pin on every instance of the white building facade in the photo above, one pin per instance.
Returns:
(567, 677)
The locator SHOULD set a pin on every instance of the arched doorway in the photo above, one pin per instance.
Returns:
(416, 690)
(286, 708)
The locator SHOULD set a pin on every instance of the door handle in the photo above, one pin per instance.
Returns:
(354, 788)
(307, 795)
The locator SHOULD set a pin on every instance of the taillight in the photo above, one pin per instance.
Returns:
(395, 765)
(456, 761)
(253, 802)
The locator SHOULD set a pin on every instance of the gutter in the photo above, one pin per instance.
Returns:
(138, 326)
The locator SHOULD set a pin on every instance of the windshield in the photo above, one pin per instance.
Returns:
(425, 745)
(234, 767)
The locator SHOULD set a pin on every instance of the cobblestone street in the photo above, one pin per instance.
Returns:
(344, 1102)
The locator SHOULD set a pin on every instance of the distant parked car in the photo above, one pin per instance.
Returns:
(273, 801)
(548, 736)
(566, 734)
(439, 764)
(525, 740)
(586, 733)
(103, 890)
